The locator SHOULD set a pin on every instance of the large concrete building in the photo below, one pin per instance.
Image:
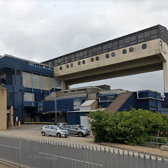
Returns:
(39, 92)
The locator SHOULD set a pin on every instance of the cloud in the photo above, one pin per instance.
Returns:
(39, 30)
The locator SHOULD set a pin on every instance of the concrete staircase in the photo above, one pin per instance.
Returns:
(117, 103)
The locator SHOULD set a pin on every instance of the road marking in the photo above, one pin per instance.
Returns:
(70, 159)
(9, 146)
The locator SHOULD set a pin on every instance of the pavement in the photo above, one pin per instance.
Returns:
(33, 131)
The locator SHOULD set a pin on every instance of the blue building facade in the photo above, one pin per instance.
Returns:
(29, 83)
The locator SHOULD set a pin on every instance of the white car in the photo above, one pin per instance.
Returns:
(54, 131)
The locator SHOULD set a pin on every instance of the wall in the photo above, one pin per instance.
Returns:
(3, 108)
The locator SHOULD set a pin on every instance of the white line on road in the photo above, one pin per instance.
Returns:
(9, 146)
(71, 159)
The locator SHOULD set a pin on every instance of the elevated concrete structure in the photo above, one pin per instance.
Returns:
(153, 58)
(139, 52)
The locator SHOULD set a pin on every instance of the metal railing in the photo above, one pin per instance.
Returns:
(38, 153)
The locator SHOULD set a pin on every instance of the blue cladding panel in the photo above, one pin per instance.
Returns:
(74, 118)
(29, 104)
(106, 97)
(131, 102)
(11, 62)
(71, 118)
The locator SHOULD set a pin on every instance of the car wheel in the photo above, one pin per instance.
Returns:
(80, 134)
(59, 135)
(43, 134)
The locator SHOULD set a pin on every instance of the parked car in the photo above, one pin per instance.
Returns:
(74, 130)
(54, 130)
(84, 128)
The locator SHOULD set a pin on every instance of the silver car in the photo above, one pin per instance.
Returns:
(54, 131)
(74, 130)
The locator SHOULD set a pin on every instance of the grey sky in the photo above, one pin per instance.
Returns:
(40, 30)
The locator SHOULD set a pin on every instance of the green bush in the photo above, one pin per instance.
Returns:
(129, 127)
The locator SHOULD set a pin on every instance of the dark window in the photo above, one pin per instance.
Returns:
(99, 48)
(154, 32)
(73, 57)
(71, 65)
(90, 51)
(133, 38)
(85, 53)
(131, 49)
(77, 56)
(83, 62)
(92, 59)
(144, 46)
(46, 127)
(62, 60)
(81, 54)
(107, 55)
(133, 42)
(52, 127)
(56, 62)
(66, 58)
(59, 60)
(67, 66)
(154, 36)
(60, 68)
(79, 63)
(97, 58)
(124, 51)
(104, 47)
(109, 45)
(147, 34)
(94, 50)
(113, 54)
(140, 35)
(115, 43)
(127, 39)
(121, 41)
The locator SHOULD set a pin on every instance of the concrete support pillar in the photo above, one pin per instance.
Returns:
(165, 73)
(64, 86)
(11, 119)
(3, 108)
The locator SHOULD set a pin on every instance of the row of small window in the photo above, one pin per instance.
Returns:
(109, 46)
(41, 66)
(124, 51)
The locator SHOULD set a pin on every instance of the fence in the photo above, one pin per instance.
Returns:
(25, 152)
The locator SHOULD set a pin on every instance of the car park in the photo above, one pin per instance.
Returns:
(74, 130)
(53, 130)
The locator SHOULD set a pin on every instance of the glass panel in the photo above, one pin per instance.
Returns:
(115, 43)
(147, 34)
(81, 54)
(90, 51)
(133, 38)
(99, 48)
(94, 50)
(121, 41)
(140, 35)
(127, 40)
(104, 47)
(153, 32)
(85, 52)
(109, 45)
